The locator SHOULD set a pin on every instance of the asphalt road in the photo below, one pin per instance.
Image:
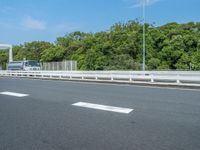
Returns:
(162, 119)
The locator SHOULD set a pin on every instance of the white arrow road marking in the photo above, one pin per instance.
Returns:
(103, 107)
(14, 94)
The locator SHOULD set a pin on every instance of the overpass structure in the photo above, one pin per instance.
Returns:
(7, 46)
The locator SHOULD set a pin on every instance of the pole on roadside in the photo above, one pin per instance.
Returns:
(144, 39)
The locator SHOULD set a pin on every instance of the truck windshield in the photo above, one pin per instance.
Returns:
(32, 63)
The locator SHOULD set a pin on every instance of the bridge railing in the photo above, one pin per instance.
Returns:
(173, 77)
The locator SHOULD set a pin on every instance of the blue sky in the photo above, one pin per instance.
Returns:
(28, 20)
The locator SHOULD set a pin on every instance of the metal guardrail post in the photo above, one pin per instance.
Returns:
(96, 77)
(152, 78)
(130, 77)
(178, 79)
(111, 77)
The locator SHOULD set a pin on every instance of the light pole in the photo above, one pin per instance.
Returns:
(144, 39)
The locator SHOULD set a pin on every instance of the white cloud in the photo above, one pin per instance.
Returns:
(139, 3)
(31, 23)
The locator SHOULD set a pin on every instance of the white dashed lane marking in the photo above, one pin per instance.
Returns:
(103, 107)
(13, 94)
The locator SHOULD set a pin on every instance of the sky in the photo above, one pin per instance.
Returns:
(45, 20)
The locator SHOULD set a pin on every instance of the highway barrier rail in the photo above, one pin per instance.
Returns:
(191, 78)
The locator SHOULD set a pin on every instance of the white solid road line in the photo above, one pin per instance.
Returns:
(103, 107)
(14, 94)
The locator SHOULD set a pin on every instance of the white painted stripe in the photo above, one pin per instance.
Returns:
(103, 107)
(14, 94)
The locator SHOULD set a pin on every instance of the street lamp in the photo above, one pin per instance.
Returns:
(144, 39)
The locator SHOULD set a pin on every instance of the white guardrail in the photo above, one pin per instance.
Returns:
(162, 77)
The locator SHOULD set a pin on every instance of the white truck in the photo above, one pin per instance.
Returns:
(26, 65)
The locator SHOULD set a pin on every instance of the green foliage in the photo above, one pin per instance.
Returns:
(169, 47)
(196, 60)
(184, 62)
(53, 54)
(30, 51)
(153, 63)
(3, 58)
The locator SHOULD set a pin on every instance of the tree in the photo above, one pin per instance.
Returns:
(30, 51)
(168, 47)
(196, 60)
(153, 63)
(3, 58)
(52, 54)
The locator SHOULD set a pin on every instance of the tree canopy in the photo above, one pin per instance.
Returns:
(169, 47)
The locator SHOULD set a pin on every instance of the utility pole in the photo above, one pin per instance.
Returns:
(144, 39)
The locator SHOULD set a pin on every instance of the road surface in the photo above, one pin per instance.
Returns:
(58, 115)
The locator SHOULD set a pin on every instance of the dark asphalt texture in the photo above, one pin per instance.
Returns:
(163, 119)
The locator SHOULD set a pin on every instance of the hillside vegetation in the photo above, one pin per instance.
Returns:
(169, 47)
